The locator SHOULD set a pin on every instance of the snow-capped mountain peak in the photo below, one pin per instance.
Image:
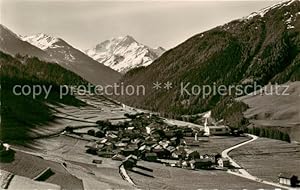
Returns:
(124, 53)
(41, 40)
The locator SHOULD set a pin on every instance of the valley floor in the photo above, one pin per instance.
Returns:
(267, 158)
(178, 178)
(73, 167)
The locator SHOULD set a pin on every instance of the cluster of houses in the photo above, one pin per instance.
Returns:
(149, 138)
(202, 162)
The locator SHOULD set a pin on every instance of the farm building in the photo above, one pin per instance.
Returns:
(288, 179)
(130, 161)
(201, 163)
(125, 140)
(128, 151)
(97, 161)
(218, 130)
(170, 149)
(223, 162)
(151, 156)
(161, 152)
(105, 154)
(118, 157)
(192, 154)
(112, 137)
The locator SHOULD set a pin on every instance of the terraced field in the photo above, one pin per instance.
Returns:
(267, 158)
(274, 111)
(30, 166)
(97, 108)
(216, 144)
(181, 179)
(19, 182)
(69, 150)
(104, 176)
(72, 152)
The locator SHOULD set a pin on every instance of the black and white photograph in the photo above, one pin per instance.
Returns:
(149, 95)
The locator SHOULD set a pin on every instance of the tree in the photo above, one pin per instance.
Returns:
(91, 132)
(69, 129)
(99, 134)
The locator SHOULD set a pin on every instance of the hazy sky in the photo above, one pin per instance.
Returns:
(155, 23)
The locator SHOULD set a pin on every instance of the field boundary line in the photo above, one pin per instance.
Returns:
(243, 172)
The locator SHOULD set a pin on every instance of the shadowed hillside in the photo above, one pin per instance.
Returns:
(20, 114)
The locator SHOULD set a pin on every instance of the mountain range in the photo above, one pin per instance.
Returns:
(57, 50)
(120, 54)
(124, 53)
(260, 48)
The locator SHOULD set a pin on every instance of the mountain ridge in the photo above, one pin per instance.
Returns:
(57, 50)
(12, 43)
(41, 40)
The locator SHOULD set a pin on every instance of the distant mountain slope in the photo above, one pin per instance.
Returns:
(264, 47)
(73, 59)
(124, 53)
(57, 50)
(12, 44)
(273, 111)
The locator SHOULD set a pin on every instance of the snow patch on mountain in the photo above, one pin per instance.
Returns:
(55, 47)
(42, 41)
(124, 53)
(291, 20)
(262, 12)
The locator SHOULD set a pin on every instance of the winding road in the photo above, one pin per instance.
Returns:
(243, 172)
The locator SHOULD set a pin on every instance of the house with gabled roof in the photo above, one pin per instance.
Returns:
(288, 179)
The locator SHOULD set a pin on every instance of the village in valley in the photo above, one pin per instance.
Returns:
(149, 137)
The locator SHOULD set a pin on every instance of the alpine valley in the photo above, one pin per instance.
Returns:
(173, 136)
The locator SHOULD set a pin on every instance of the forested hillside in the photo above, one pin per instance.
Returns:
(261, 48)
(20, 114)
